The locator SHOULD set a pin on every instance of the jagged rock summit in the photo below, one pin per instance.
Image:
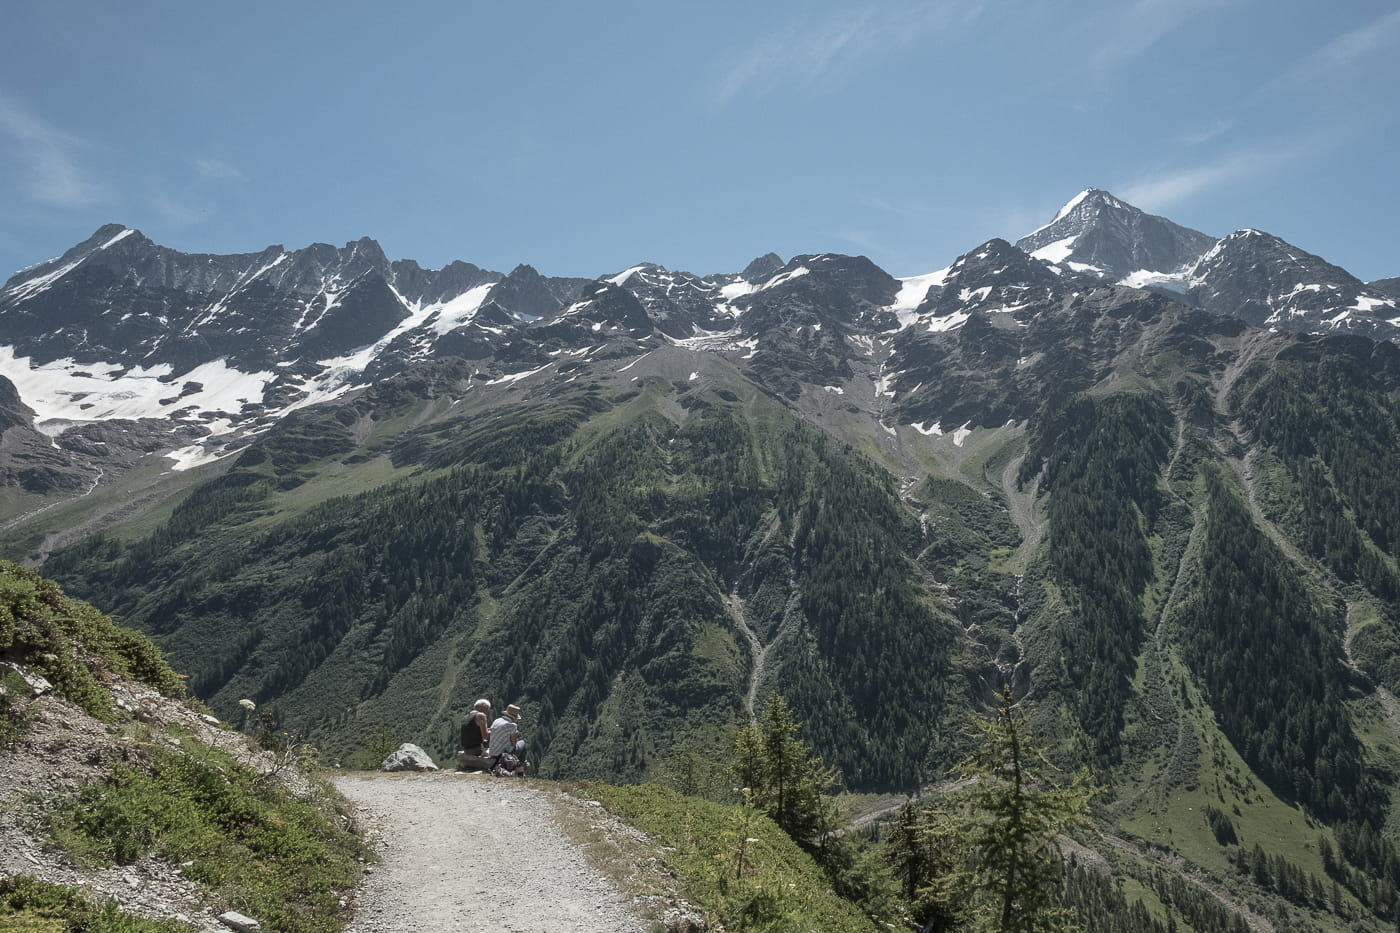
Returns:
(122, 347)
(1268, 282)
(1099, 234)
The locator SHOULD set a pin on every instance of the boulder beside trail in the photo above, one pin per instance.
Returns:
(408, 757)
(36, 683)
(240, 923)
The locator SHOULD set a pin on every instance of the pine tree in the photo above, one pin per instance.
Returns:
(1014, 817)
(926, 851)
(782, 776)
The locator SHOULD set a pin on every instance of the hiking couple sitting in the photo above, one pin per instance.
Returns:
(498, 747)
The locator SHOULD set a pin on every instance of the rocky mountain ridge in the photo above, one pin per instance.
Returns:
(198, 353)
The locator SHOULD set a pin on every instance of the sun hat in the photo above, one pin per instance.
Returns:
(513, 712)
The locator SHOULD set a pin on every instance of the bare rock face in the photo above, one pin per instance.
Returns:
(408, 757)
(1097, 233)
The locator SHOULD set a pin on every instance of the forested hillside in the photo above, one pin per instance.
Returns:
(612, 569)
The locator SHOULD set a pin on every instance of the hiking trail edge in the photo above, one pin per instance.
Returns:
(472, 852)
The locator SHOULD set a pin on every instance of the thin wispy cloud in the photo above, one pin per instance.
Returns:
(897, 208)
(45, 158)
(813, 51)
(860, 239)
(1351, 48)
(218, 168)
(1205, 134)
(1160, 191)
(1132, 30)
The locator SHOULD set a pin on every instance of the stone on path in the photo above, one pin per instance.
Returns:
(237, 921)
(408, 757)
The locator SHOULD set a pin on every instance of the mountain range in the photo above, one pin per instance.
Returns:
(206, 351)
(1148, 478)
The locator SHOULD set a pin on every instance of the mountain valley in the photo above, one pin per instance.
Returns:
(1148, 478)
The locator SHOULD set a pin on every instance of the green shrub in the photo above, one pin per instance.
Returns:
(13, 718)
(260, 850)
(734, 862)
(72, 644)
(31, 906)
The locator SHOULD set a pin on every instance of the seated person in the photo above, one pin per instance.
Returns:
(475, 735)
(506, 740)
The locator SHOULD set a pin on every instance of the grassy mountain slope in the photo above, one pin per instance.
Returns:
(612, 561)
(113, 778)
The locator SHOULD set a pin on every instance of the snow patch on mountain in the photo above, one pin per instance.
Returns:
(212, 313)
(31, 287)
(1064, 212)
(187, 458)
(785, 277)
(622, 277)
(737, 290)
(713, 340)
(1178, 281)
(1057, 252)
(947, 322)
(914, 289)
(636, 361)
(1367, 304)
(912, 292)
(516, 377)
(454, 313)
(65, 392)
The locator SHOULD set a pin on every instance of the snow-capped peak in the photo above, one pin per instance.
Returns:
(22, 291)
(1072, 203)
(1063, 212)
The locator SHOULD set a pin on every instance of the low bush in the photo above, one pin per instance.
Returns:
(261, 851)
(734, 863)
(72, 644)
(31, 906)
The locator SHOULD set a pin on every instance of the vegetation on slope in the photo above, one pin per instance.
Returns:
(28, 905)
(1101, 462)
(575, 558)
(734, 862)
(603, 560)
(73, 645)
(285, 861)
(238, 831)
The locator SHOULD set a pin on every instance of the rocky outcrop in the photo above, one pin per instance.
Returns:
(408, 757)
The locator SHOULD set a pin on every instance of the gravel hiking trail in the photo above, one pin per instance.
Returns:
(468, 852)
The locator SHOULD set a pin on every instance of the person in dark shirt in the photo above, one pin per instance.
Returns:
(475, 729)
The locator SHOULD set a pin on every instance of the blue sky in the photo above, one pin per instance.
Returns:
(583, 138)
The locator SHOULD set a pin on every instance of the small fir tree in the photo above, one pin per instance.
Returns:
(784, 779)
(1014, 815)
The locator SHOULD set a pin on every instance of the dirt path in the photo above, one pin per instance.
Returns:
(1176, 865)
(470, 852)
